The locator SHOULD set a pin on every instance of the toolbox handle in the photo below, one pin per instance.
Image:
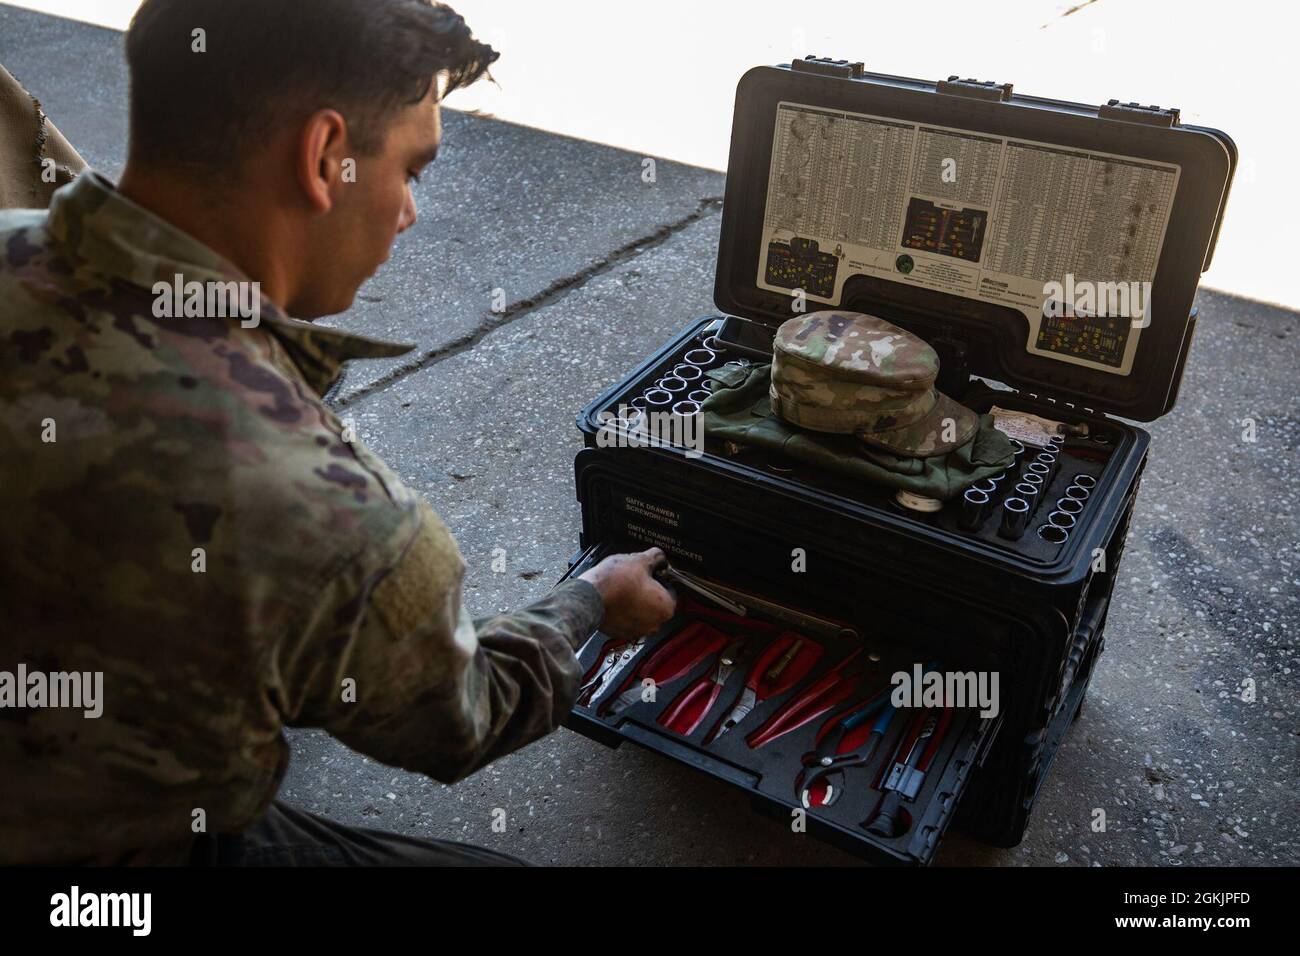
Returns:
(1136, 113)
(825, 66)
(975, 89)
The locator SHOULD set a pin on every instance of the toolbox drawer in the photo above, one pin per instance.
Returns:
(1111, 455)
(765, 758)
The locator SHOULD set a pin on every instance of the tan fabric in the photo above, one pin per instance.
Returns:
(27, 140)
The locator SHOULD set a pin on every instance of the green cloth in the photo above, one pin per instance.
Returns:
(740, 410)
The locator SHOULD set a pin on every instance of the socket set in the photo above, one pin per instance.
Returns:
(1016, 497)
(1009, 510)
(678, 387)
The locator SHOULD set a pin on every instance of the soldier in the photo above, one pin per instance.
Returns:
(182, 511)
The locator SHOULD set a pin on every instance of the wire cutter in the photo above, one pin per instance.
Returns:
(783, 663)
(822, 780)
(693, 704)
(618, 654)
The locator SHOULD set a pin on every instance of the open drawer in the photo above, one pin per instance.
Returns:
(786, 704)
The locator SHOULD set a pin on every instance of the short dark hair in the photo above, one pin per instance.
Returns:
(270, 62)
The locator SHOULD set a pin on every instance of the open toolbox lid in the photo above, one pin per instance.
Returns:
(972, 216)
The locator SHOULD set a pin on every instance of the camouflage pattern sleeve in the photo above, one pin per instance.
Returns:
(408, 678)
(187, 520)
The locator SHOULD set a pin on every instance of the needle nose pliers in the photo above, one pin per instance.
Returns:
(827, 692)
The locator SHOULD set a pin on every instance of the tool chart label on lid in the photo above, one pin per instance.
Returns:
(1070, 238)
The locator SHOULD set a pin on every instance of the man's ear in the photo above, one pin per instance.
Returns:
(322, 147)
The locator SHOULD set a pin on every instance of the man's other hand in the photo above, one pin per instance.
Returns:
(635, 603)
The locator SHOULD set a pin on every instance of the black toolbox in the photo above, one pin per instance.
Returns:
(949, 209)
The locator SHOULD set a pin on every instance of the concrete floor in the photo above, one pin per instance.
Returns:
(597, 269)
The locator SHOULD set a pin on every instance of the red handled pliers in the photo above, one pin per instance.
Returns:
(829, 691)
(675, 658)
(783, 663)
(693, 704)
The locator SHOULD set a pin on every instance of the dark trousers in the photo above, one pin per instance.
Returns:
(290, 837)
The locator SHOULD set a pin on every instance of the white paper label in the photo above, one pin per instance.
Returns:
(1025, 428)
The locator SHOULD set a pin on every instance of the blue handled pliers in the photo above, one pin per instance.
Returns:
(822, 780)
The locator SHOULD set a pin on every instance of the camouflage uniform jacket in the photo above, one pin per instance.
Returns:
(200, 530)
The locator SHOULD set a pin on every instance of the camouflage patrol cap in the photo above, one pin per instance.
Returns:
(850, 373)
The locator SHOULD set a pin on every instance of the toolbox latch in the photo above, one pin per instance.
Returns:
(975, 89)
(825, 66)
(1136, 113)
(954, 366)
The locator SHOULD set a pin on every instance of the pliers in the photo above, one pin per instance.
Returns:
(673, 659)
(829, 691)
(694, 703)
(822, 780)
(783, 663)
(618, 654)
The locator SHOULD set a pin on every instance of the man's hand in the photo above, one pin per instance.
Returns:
(635, 603)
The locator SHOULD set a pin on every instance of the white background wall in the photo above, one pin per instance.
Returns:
(659, 76)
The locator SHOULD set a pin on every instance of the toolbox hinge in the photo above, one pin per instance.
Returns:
(825, 66)
(975, 89)
(1136, 113)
